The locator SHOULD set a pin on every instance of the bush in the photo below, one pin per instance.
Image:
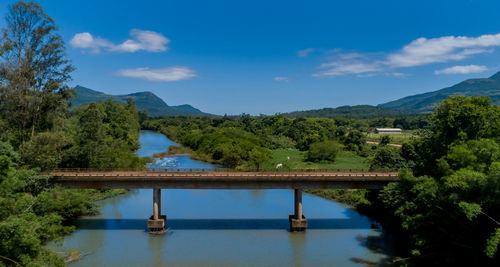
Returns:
(387, 158)
(385, 140)
(259, 155)
(355, 140)
(323, 151)
(44, 150)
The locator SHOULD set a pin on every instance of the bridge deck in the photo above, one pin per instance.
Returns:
(222, 180)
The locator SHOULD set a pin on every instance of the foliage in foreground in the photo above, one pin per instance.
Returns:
(40, 132)
(450, 210)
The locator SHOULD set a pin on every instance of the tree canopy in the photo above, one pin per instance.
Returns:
(449, 209)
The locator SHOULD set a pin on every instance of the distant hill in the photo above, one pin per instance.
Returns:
(187, 109)
(359, 112)
(148, 101)
(425, 103)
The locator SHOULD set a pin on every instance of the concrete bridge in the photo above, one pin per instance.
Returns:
(205, 179)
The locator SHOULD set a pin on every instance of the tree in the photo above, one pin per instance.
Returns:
(387, 158)
(473, 154)
(44, 150)
(323, 151)
(452, 210)
(90, 134)
(355, 140)
(7, 150)
(258, 155)
(385, 140)
(34, 71)
(460, 117)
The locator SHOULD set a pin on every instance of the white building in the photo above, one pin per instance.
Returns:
(388, 131)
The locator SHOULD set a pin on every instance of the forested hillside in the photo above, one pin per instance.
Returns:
(152, 104)
(360, 112)
(425, 103)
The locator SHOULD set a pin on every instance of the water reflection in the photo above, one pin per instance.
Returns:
(219, 224)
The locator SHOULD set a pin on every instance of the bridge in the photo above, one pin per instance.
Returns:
(158, 179)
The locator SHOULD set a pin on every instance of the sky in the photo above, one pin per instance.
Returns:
(267, 57)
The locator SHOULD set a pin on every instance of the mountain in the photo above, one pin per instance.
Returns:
(359, 112)
(148, 101)
(187, 109)
(425, 103)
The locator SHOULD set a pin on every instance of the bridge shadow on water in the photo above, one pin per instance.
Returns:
(219, 224)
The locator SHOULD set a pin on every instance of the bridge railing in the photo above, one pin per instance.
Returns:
(213, 170)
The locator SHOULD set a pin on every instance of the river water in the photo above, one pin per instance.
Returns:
(221, 227)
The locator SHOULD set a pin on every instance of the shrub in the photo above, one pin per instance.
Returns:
(385, 140)
(387, 158)
(323, 151)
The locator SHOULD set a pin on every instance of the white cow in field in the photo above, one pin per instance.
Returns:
(279, 165)
(287, 158)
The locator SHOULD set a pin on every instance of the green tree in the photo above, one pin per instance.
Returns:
(459, 117)
(7, 150)
(45, 150)
(258, 155)
(456, 119)
(453, 210)
(90, 136)
(327, 151)
(385, 140)
(34, 71)
(387, 158)
(475, 154)
(355, 140)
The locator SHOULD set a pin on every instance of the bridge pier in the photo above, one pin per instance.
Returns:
(298, 222)
(156, 223)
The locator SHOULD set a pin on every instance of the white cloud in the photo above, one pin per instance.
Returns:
(352, 55)
(168, 74)
(142, 40)
(398, 74)
(462, 69)
(419, 52)
(281, 79)
(86, 40)
(341, 67)
(305, 52)
(443, 49)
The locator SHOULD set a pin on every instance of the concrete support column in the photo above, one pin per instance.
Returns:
(156, 222)
(298, 222)
(298, 203)
(159, 202)
(156, 203)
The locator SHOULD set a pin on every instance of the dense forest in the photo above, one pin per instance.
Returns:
(39, 131)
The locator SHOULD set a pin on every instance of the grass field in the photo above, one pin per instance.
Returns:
(346, 160)
(395, 138)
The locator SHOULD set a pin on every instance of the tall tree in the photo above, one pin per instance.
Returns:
(33, 71)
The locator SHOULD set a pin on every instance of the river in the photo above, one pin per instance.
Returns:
(221, 227)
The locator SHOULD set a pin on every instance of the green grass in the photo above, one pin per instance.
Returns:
(345, 160)
(395, 138)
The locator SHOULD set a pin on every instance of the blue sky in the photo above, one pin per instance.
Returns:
(276, 56)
